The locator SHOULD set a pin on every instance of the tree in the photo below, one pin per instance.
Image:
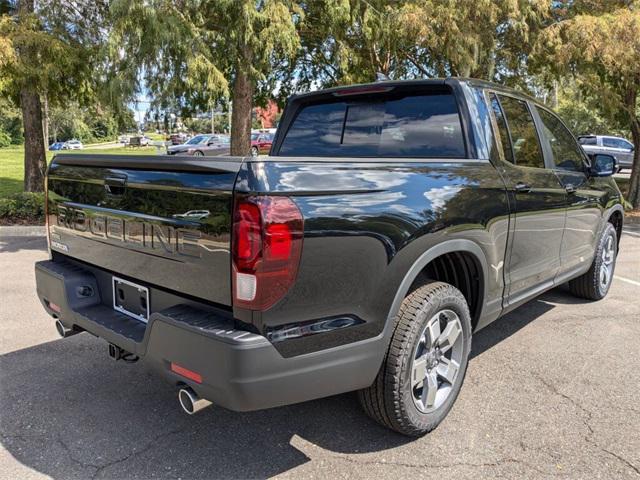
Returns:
(192, 53)
(51, 55)
(350, 41)
(603, 52)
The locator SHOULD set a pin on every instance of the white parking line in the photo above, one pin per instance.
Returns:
(628, 280)
(633, 234)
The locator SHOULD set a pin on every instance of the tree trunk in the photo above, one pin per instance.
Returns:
(241, 114)
(634, 186)
(35, 160)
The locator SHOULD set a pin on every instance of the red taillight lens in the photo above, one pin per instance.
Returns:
(247, 235)
(267, 245)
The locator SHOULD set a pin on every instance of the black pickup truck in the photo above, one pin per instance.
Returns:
(390, 222)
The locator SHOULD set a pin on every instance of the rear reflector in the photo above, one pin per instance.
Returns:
(186, 373)
(54, 307)
(267, 245)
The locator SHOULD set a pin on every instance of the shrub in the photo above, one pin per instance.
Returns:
(22, 208)
(5, 139)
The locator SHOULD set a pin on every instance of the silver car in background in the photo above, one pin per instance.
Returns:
(620, 148)
(201, 145)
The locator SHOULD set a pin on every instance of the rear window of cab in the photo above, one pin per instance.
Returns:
(424, 125)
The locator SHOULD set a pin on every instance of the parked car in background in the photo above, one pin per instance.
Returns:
(620, 148)
(56, 146)
(193, 215)
(177, 138)
(215, 146)
(198, 145)
(261, 143)
(73, 145)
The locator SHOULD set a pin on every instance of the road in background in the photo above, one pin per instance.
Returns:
(551, 391)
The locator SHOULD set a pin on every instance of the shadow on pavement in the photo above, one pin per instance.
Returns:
(16, 244)
(69, 412)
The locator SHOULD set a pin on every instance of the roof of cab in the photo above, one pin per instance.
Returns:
(415, 83)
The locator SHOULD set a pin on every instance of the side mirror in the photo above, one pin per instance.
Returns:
(602, 165)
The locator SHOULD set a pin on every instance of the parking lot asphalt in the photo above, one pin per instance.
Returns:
(551, 392)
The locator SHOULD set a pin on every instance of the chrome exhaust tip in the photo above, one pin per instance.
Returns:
(190, 401)
(63, 331)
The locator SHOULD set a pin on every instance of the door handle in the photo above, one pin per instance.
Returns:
(570, 188)
(522, 187)
(115, 184)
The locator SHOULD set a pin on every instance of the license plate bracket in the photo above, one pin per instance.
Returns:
(131, 299)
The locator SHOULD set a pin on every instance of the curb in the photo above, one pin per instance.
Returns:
(22, 231)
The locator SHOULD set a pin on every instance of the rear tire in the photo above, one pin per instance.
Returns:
(595, 284)
(198, 153)
(424, 367)
(254, 151)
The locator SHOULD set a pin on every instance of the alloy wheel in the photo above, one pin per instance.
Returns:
(436, 361)
(606, 267)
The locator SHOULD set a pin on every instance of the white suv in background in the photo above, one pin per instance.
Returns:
(621, 149)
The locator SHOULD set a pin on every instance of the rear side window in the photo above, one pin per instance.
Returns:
(524, 138)
(588, 140)
(419, 126)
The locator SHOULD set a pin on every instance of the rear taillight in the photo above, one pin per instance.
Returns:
(267, 244)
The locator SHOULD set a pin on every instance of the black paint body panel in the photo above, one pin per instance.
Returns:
(145, 231)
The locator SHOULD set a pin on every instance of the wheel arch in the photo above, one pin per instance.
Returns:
(616, 218)
(423, 261)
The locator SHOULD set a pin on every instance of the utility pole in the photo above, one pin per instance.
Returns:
(213, 117)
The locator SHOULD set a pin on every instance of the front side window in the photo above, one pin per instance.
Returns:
(616, 143)
(567, 154)
(418, 126)
(524, 138)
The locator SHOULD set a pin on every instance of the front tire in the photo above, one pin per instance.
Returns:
(595, 284)
(424, 368)
(254, 151)
(198, 153)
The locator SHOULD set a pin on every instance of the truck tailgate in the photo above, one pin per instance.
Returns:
(164, 221)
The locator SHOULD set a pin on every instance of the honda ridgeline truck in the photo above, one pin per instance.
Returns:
(390, 222)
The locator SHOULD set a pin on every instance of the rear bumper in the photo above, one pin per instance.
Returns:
(240, 370)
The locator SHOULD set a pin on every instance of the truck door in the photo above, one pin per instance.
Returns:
(583, 197)
(537, 199)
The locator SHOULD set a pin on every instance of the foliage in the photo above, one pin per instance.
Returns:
(347, 41)
(602, 51)
(11, 121)
(22, 207)
(583, 114)
(192, 53)
(5, 139)
(88, 124)
(54, 51)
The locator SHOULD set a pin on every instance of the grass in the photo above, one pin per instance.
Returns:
(12, 164)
